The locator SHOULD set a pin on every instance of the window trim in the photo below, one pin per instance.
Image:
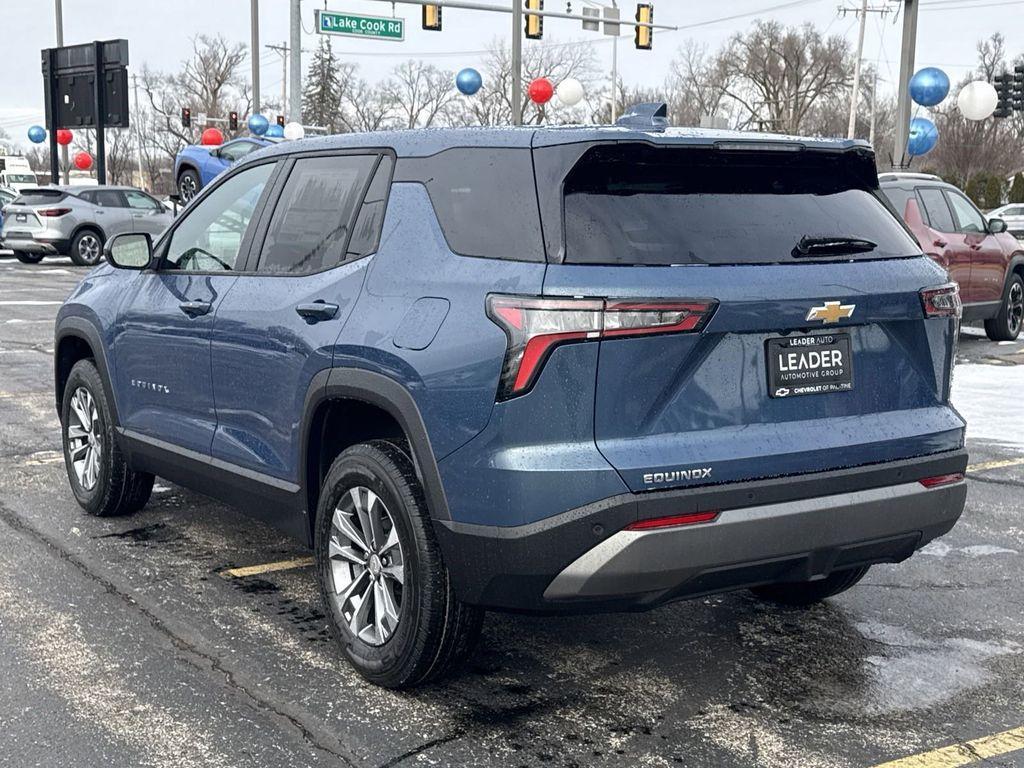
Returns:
(267, 214)
(949, 193)
(157, 205)
(160, 249)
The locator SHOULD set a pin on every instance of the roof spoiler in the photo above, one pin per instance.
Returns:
(650, 116)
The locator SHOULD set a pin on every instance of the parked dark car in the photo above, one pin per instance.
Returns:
(531, 369)
(981, 256)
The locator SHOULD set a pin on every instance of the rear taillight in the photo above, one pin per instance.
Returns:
(942, 301)
(939, 480)
(535, 326)
(52, 212)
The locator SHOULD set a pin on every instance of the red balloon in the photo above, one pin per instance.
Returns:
(83, 161)
(541, 91)
(64, 136)
(212, 137)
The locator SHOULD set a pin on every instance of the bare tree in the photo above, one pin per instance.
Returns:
(420, 93)
(366, 108)
(777, 74)
(698, 84)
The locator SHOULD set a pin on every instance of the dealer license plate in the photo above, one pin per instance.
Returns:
(809, 365)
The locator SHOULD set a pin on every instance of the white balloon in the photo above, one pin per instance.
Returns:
(570, 92)
(977, 100)
(294, 131)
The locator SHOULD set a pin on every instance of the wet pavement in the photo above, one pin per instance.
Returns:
(124, 642)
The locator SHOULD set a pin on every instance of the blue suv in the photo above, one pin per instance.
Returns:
(533, 369)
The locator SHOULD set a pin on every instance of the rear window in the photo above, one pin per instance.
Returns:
(485, 199)
(631, 204)
(40, 197)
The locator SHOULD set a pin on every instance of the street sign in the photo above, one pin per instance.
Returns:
(360, 25)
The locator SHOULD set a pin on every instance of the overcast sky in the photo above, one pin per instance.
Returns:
(158, 32)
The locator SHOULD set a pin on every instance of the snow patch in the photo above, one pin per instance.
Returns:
(988, 397)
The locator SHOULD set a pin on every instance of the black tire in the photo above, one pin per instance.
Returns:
(434, 632)
(803, 593)
(86, 248)
(116, 489)
(28, 258)
(1006, 326)
(189, 185)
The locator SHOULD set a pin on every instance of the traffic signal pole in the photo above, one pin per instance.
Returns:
(517, 62)
(907, 54)
(254, 53)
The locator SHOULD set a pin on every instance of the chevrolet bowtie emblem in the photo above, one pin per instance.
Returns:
(831, 312)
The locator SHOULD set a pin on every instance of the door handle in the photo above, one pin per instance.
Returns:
(195, 308)
(939, 243)
(316, 311)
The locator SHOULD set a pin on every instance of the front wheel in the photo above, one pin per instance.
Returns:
(804, 593)
(86, 248)
(383, 582)
(188, 185)
(28, 258)
(100, 478)
(1006, 325)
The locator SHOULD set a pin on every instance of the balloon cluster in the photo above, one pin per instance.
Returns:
(928, 87)
(569, 92)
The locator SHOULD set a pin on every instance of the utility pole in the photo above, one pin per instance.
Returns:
(517, 62)
(874, 107)
(907, 54)
(138, 132)
(58, 12)
(283, 49)
(862, 12)
(295, 35)
(254, 52)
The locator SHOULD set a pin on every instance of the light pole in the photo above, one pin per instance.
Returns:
(58, 13)
(517, 62)
(294, 105)
(910, 8)
(254, 52)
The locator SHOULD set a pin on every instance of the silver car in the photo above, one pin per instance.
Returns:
(1013, 215)
(75, 221)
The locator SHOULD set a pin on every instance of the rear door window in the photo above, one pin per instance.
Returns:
(935, 207)
(309, 230)
(638, 205)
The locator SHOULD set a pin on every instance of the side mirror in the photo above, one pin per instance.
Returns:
(996, 226)
(129, 251)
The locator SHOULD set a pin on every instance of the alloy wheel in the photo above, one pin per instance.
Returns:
(367, 566)
(89, 248)
(1015, 308)
(84, 438)
(187, 188)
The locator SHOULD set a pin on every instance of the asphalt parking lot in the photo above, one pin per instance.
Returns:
(191, 635)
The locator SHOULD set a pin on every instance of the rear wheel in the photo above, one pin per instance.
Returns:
(1006, 326)
(799, 593)
(28, 258)
(100, 478)
(383, 582)
(188, 185)
(86, 248)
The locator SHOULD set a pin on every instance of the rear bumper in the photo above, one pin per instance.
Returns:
(51, 247)
(786, 529)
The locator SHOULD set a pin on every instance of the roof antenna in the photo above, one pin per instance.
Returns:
(649, 116)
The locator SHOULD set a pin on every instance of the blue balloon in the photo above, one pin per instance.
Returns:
(929, 86)
(468, 81)
(275, 131)
(37, 134)
(258, 125)
(923, 136)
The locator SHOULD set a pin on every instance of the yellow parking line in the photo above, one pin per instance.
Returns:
(997, 464)
(964, 754)
(280, 565)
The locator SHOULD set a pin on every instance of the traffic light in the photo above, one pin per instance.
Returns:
(1004, 89)
(1017, 102)
(644, 39)
(432, 17)
(233, 120)
(534, 23)
(280, 120)
(186, 117)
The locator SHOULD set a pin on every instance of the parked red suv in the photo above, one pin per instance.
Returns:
(979, 254)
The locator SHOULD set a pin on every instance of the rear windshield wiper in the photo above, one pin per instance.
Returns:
(832, 245)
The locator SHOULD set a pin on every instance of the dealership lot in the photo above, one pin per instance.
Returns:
(190, 634)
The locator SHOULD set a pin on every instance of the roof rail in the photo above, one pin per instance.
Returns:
(894, 175)
(649, 116)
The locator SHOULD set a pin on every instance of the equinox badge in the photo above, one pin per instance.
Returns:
(831, 312)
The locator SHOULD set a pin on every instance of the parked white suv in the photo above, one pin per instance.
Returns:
(75, 221)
